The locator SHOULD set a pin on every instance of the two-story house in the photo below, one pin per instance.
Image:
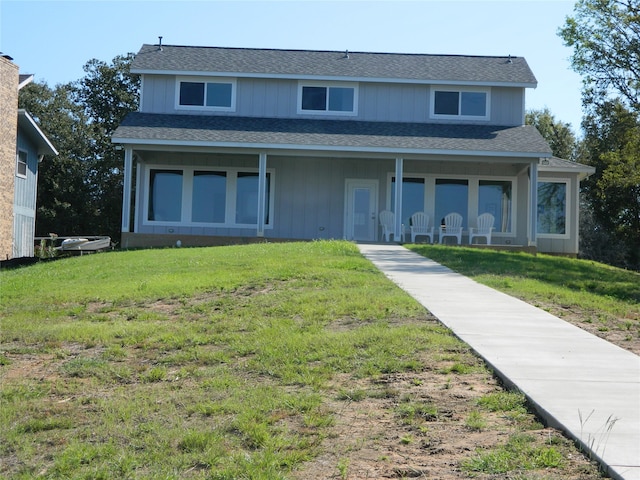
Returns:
(22, 147)
(238, 143)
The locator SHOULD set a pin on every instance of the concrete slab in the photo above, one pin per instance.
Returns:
(577, 382)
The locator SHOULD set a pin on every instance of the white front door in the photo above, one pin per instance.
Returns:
(361, 210)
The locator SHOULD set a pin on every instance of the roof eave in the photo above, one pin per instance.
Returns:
(26, 122)
(422, 81)
(329, 148)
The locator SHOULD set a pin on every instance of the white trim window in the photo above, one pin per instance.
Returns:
(218, 94)
(327, 99)
(457, 104)
(205, 197)
(21, 163)
(553, 208)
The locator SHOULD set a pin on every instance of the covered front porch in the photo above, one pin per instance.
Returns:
(219, 196)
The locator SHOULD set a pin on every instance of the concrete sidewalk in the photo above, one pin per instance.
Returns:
(579, 383)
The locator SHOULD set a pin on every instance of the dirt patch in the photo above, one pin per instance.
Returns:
(372, 439)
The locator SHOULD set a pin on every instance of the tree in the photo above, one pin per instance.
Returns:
(559, 135)
(605, 36)
(62, 189)
(80, 190)
(107, 93)
(612, 146)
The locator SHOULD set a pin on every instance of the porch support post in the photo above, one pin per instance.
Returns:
(397, 230)
(126, 189)
(533, 204)
(262, 192)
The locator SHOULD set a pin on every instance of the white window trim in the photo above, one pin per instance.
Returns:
(18, 162)
(473, 205)
(353, 85)
(187, 195)
(206, 80)
(432, 103)
(568, 206)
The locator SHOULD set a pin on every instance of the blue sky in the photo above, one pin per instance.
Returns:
(54, 39)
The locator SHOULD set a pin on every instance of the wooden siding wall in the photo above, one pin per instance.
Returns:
(377, 101)
(25, 202)
(309, 192)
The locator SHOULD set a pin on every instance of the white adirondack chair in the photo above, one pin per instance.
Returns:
(452, 227)
(484, 228)
(420, 226)
(387, 222)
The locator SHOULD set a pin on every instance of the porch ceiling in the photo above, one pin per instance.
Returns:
(331, 135)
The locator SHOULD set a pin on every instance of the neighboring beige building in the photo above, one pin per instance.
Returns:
(9, 80)
(22, 147)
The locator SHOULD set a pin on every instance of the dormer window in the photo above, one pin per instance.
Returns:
(210, 94)
(327, 99)
(457, 104)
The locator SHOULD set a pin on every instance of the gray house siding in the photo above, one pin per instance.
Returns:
(25, 202)
(309, 192)
(378, 102)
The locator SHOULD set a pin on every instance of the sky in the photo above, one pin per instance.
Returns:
(54, 39)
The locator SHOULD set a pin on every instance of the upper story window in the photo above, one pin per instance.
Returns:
(21, 163)
(316, 98)
(460, 104)
(214, 94)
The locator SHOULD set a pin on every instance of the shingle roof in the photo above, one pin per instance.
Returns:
(460, 69)
(336, 135)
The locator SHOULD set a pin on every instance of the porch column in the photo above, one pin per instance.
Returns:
(533, 204)
(262, 192)
(397, 230)
(126, 189)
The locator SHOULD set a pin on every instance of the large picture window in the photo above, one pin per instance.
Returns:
(452, 195)
(165, 196)
(470, 104)
(209, 197)
(327, 99)
(413, 190)
(495, 197)
(552, 207)
(223, 197)
(215, 94)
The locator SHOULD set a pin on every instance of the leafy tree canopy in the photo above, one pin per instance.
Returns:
(605, 37)
(559, 135)
(80, 190)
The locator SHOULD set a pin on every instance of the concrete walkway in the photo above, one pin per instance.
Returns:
(579, 383)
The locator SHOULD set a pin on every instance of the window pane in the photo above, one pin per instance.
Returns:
(446, 103)
(22, 163)
(165, 195)
(209, 197)
(451, 196)
(494, 197)
(247, 198)
(191, 93)
(219, 94)
(412, 197)
(314, 98)
(474, 104)
(552, 205)
(341, 99)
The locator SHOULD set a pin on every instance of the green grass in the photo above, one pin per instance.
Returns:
(192, 363)
(210, 363)
(597, 293)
